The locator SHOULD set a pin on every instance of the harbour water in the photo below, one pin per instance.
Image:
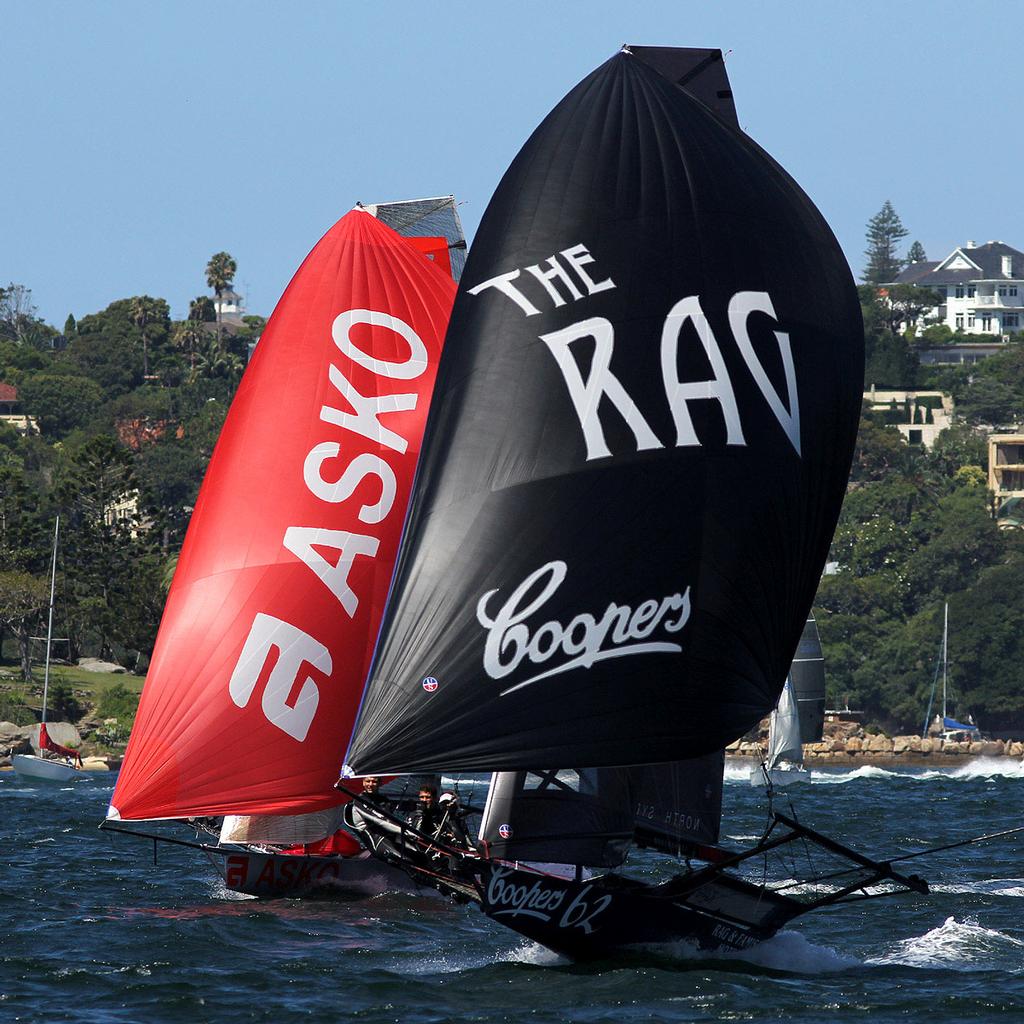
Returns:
(94, 932)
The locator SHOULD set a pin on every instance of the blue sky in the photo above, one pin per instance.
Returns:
(141, 137)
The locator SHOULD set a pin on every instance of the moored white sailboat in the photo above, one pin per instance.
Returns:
(38, 768)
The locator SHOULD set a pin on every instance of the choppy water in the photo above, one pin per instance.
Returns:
(93, 932)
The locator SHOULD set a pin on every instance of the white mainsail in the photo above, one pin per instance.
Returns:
(784, 730)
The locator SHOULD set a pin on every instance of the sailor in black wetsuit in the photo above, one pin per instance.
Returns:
(373, 795)
(426, 818)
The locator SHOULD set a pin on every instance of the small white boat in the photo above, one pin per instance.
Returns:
(31, 767)
(41, 769)
(783, 774)
(785, 762)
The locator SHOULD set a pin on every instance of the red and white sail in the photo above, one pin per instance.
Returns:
(273, 614)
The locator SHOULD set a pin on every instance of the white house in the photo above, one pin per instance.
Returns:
(231, 306)
(983, 287)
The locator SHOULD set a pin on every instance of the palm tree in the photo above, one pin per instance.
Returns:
(142, 313)
(220, 272)
(188, 335)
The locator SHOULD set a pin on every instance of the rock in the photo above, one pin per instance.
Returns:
(11, 733)
(838, 745)
(991, 748)
(976, 748)
(879, 744)
(853, 745)
(733, 747)
(928, 745)
(95, 764)
(96, 665)
(901, 744)
(1016, 749)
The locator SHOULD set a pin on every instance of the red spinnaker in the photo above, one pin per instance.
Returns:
(273, 614)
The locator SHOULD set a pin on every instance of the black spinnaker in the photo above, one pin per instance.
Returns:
(637, 448)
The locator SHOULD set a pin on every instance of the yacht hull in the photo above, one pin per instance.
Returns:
(39, 769)
(595, 917)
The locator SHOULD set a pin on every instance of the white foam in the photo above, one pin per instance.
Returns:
(738, 772)
(955, 945)
(787, 951)
(986, 768)
(865, 771)
(531, 953)
(986, 887)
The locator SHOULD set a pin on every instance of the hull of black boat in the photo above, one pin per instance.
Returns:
(595, 917)
(275, 875)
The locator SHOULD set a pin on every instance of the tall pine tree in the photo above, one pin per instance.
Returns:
(885, 232)
(916, 253)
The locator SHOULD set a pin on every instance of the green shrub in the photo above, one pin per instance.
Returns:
(13, 710)
(118, 702)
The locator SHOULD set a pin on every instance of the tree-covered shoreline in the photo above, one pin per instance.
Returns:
(129, 405)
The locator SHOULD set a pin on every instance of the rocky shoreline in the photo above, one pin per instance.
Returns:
(888, 750)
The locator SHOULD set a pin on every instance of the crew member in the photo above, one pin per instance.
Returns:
(373, 795)
(426, 818)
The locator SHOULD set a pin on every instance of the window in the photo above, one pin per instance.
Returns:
(942, 290)
(970, 291)
(1010, 320)
(959, 291)
(1002, 289)
(1013, 289)
(959, 321)
(970, 318)
(915, 436)
(986, 322)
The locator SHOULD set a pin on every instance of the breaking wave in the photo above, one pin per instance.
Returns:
(955, 945)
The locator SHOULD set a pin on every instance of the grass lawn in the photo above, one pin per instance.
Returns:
(91, 685)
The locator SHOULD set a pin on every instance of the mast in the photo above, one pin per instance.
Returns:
(49, 624)
(945, 642)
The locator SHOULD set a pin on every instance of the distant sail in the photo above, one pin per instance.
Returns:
(784, 731)
(808, 677)
(636, 452)
(271, 619)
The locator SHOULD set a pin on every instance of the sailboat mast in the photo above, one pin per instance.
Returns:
(945, 641)
(49, 624)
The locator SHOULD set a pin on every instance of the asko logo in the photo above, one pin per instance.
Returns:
(620, 631)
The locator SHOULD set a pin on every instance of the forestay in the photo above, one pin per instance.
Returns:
(636, 453)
